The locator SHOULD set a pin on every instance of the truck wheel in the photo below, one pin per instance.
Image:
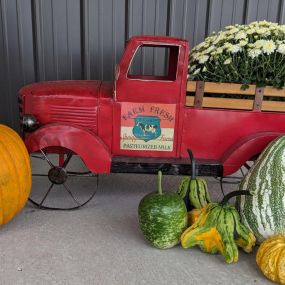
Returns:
(238, 176)
(60, 180)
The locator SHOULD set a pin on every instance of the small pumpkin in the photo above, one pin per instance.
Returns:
(218, 229)
(270, 258)
(15, 174)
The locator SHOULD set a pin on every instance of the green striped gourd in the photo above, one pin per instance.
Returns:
(264, 212)
(194, 190)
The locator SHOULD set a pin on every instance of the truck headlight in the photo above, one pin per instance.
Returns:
(29, 123)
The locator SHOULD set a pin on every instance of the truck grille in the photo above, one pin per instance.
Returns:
(85, 117)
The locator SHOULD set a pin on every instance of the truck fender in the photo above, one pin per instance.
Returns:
(246, 148)
(92, 150)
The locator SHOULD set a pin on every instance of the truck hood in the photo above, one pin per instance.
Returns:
(84, 88)
(65, 102)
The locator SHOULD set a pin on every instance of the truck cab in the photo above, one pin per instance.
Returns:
(148, 109)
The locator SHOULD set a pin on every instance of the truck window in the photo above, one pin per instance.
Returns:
(154, 63)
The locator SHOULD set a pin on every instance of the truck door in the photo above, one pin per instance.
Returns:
(148, 108)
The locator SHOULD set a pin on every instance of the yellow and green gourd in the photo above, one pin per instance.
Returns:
(218, 229)
(15, 174)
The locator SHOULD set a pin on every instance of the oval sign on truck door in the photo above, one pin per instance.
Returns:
(147, 126)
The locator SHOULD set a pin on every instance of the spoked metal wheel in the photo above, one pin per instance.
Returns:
(61, 180)
(237, 177)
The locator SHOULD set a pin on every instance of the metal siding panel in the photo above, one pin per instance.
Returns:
(135, 27)
(14, 52)
(5, 97)
(201, 21)
(177, 16)
(281, 19)
(160, 29)
(232, 12)
(262, 10)
(24, 13)
(225, 12)
(58, 37)
(215, 15)
(251, 10)
(273, 11)
(45, 38)
(239, 11)
(148, 17)
(74, 38)
(105, 36)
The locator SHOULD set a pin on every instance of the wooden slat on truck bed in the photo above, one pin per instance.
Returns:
(240, 103)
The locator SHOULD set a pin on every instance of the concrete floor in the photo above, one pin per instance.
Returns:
(101, 243)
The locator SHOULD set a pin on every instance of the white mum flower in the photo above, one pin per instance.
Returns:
(259, 44)
(192, 67)
(262, 31)
(206, 45)
(240, 35)
(227, 45)
(229, 27)
(243, 43)
(281, 49)
(196, 71)
(254, 53)
(219, 50)
(220, 37)
(266, 23)
(200, 45)
(234, 49)
(253, 23)
(196, 55)
(202, 59)
(269, 47)
(227, 61)
(210, 49)
(250, 31)
(233, 30)
(282, 28)
(204, 69)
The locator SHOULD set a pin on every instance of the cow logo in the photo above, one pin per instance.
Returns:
(147, 127)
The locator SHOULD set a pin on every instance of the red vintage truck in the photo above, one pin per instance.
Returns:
(142, 123)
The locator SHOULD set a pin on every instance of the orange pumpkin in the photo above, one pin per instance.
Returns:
(15, 174)
(270, 258)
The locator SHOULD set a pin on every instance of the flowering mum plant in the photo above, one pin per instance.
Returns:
(246, 54)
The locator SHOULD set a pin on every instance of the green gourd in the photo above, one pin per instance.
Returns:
(162, 217)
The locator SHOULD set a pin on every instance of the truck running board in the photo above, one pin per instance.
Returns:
(169, 166)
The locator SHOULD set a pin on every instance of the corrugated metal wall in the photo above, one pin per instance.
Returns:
(84, 39)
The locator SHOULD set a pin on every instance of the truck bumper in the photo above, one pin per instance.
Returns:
(168, 166)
